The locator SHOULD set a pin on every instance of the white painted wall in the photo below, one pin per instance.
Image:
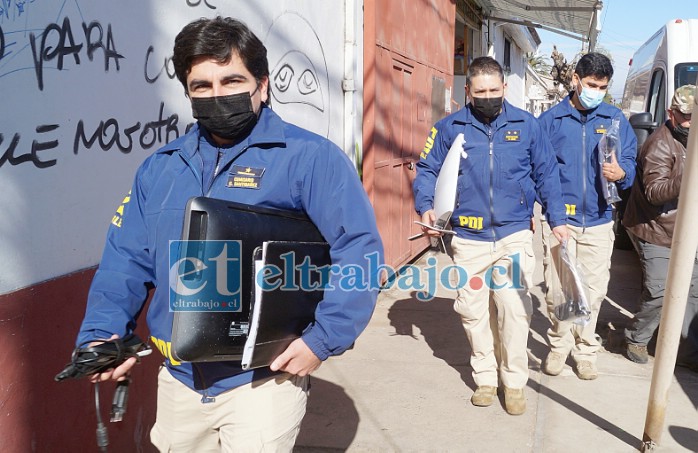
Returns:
(57, 200)
(516, 82)
(515, 79)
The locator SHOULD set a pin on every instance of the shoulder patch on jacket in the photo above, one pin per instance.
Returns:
(119, 215)
(430, 143)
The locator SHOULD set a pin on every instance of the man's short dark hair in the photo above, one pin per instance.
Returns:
(484, 65)
(594, 64)
(218, 38)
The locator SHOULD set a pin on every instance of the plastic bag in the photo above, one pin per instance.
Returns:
(608, 146)
(570, 302)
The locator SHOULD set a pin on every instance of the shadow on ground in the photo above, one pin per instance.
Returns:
(330, 414)
(440, 327)
(686, 437)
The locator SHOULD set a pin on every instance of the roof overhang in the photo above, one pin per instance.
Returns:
(578, 19)
(523, 37)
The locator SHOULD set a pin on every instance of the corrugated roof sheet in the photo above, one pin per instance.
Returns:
(577, 17)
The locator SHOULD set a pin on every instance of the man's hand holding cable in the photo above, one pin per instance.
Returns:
(120, 373)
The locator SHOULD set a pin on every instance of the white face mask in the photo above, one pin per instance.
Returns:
(590, 98)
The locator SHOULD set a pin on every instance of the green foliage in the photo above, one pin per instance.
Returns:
(538, 63)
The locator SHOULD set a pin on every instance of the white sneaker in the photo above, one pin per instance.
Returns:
(587, 370)
(554, 363)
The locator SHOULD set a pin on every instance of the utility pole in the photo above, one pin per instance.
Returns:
(683, 252)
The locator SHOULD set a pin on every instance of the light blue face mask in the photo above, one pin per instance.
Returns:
(589, 98)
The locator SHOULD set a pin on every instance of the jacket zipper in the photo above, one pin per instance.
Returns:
(215, 171)
(490, 135)
(218, 167)
(205, 397)
(584, 176)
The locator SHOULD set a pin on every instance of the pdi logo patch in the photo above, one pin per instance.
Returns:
(205, 276)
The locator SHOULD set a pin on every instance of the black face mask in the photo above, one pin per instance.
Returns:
(230, 117)
(680, 133)
(487, 107)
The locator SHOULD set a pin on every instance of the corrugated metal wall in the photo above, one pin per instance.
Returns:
(408, 75)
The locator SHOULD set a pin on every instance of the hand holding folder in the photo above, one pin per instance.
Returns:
(284, 306)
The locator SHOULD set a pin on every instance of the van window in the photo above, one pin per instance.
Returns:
(657, 97)
(685, 74)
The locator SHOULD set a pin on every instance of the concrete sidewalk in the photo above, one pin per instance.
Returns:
(406, 386)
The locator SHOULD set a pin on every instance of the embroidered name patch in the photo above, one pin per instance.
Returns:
(245, 177)
(512, 136)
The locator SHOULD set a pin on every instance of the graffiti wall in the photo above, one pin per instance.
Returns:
(87, 91)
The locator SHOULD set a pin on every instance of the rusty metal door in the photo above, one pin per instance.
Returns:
(394, 163)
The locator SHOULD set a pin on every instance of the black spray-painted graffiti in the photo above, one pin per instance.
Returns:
(66, 46)
(36, 147)
(2, 43)
(106, 134)
(167, 67)
(299, 77)
(58, 42)
(195, 3)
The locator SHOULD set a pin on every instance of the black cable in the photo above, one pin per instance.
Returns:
(92, 357)
(99, 357)
(102, 435)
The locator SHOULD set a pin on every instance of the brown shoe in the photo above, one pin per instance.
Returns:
(514, 401)
(637, 353)
(587, 370)
(484, 396)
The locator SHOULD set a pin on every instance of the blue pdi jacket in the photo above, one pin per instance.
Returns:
(576, 145)
(297, 170)
(509, 162)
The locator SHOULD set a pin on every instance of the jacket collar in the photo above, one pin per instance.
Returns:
(268, 130)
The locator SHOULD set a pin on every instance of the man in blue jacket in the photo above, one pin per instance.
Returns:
(507, 162)
(575, 126)
(208, 406)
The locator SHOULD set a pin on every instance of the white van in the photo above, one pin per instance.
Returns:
(668, 60)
